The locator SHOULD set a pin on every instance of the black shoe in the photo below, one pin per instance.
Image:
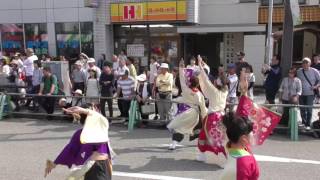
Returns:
(49, 118)
(156, 118)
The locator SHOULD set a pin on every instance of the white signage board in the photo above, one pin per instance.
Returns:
(135, 50)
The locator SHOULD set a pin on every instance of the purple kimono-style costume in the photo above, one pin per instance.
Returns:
(77, 154)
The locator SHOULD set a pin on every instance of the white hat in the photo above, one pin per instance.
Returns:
(142, 77)
(78, 63)
(307, 59)
(78, 91)
(164, 65)
(91, 60)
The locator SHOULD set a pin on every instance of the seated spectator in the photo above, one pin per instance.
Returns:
(78, 99)
(143, 93)
(49, 86)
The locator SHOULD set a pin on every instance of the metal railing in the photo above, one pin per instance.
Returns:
(134, 114)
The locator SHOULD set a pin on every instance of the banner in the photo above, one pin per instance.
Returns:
(264, 120)
(149, 11)
(295, 11)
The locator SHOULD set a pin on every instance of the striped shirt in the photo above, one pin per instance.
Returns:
(126, 86)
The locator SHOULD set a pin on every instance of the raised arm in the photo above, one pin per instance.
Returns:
(206, 86)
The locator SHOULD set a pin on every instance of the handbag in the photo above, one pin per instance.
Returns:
(315, 91)
(148, 109)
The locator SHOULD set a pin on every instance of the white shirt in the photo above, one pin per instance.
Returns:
(121, 70)
(153, 72)
(233, 79)
(6, 70)
(115, 65)
(28, 65)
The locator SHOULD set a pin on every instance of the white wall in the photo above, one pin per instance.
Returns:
(228, 12)
(254, 47)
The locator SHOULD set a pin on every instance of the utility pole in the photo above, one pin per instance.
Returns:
(287, 39)
(269, 47)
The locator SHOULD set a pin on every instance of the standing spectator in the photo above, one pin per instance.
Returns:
(28, 67)
(79, 77)
(17, 57)
(36, 81)
(115, 63)
(316, 61)
(164, 84)
(290, 91)
(5, 68)
(106, 82)
(153, 71)
(241, 63)
(122, 67)
(310, 79)
(91, 66)
(176, 87)
(62, 58)
(193, 64)
(126, 88)
(232, 83)
(49, 86)
(93, 88)
(132, 69)
(251, 78)
(15, 77)
(101, 61)
(273, 79)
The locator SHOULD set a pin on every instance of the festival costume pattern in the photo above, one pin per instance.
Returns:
(93, 137)
(212, 136)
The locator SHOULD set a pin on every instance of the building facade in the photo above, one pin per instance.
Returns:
(165, 29)
(55, 27)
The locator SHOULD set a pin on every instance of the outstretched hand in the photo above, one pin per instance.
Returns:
(75, 110)
(49, 166)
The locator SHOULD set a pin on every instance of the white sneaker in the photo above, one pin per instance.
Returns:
(308, 128)
(173, 145)
(201, 157)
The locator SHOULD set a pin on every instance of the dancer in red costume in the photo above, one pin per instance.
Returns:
(212, 135)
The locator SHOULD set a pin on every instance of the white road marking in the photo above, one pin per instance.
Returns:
(284, 160)
(149, 176)
(167, 145)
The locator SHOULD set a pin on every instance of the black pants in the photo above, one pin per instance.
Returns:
(285, 115)
(103, 105)
(177, 137)
(306, 113)
(101, 170)
(48, 104)
(271, 95)
(78, 86)
(34, 90)
(29, 84)
(125, 106)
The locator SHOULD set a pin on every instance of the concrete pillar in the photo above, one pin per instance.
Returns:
(52, 39)
(254, 47)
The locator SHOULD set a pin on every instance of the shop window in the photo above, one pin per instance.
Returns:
(37, 37)
(86, 29)
(68, 39)
(12, 38)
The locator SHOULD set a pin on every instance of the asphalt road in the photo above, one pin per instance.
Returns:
(25, 144)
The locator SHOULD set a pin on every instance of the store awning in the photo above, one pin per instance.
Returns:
(278, 34)
(221, 28)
